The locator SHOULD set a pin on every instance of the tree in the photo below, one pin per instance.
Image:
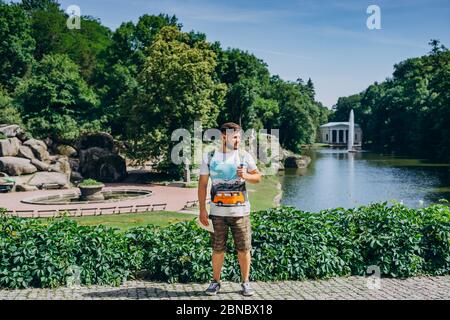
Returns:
(298, 114)
(9, 114)
(266, 113)
(17, 45)
(409, 112)
(31, 5)
(85, 46)
(175, 88)
(56, 101)
(125, 58)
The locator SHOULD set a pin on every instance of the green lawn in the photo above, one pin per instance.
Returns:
(262, 195)
(129, 220)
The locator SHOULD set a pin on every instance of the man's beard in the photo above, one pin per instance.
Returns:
(231, 146)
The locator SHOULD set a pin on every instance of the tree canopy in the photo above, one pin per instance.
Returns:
(139, 82)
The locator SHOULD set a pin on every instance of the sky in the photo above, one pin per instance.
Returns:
(325, 40)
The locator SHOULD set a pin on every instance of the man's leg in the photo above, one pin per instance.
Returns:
(244, 259)
(218, 243)
(217, 263)
(241, 230)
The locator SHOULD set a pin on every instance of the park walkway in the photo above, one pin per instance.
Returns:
(332, 289)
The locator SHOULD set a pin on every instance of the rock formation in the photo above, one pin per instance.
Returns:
(43, 163)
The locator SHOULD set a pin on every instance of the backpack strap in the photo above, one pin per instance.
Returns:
(210, 156)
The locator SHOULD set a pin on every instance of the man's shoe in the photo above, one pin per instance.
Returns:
(247, 289)
(213, 288)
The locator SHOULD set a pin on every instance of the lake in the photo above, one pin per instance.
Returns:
(336, 178)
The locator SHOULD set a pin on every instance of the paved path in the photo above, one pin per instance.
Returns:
(337, 288)
(175, 197)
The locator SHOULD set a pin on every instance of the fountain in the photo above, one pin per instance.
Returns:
(90, 191)
(351, 132)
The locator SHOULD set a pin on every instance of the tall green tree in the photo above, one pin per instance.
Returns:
(85, 46)
(17, 45)
(125, 58)
(56, 101)
(175, 88)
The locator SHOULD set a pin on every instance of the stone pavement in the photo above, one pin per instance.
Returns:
(335, 289)
(174, 197)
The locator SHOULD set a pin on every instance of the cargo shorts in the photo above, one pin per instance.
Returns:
(240, 229)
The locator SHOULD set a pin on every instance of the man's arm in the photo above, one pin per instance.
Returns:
(251, 176)
(202, 190)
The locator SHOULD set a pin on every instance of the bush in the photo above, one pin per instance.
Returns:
(34, 254)
(288, 244)
(90, 182)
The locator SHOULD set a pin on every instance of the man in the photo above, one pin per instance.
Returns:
(229, 170)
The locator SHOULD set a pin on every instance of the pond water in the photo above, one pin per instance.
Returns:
(336, 178)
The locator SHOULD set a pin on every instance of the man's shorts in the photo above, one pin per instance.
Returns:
(240, 229)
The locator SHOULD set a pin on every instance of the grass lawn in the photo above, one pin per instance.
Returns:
(129, 220)
(262, 195)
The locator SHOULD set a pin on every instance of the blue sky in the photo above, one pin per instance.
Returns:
(327, 40)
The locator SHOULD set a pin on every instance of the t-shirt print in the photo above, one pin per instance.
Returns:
(228, 193)
(227, 189)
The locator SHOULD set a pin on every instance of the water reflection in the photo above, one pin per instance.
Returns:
(336, 178)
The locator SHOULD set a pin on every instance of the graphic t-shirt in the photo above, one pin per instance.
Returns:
(228, 191)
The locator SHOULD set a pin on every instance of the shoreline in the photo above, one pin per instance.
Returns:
(278, 197)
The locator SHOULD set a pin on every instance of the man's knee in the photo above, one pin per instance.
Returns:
(243, 252)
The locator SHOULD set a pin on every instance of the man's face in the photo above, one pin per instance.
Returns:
(232, 139)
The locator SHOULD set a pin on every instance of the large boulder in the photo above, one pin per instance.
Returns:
(101, 140)
(25, 187)
(39, 149)
(34, 142)
(43, 179)
(61, 165)
(15, 166)
(66, 150)
(103, 165)
(74, 164)
(10, 130)
(297, 161)
(40, 165)
(9, 147)
(76, 176)
(25, 152)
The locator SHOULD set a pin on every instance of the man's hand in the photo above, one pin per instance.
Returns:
(204, 217)
(242, 173)
(252, 177)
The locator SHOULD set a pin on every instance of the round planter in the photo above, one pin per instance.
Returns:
(92, 192)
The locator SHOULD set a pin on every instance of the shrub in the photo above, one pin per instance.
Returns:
(37, 255)
(89, 182)
(293, 244)
(287, 244)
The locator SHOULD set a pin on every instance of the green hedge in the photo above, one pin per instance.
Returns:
(33, 254)
(287, 244)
